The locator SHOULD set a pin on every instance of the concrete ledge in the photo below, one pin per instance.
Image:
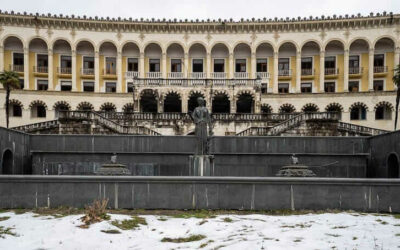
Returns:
(251, 193)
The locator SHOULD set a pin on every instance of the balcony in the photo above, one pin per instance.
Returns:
(198, 75)
(263, 75)
(307, 73)
(131, 74)
(64, 72)
(175, 75)
(110, 73)
(218, 75)
(17, 68)
(153, 75)
(87, 73)
(355, 71)
(380, 70)
(40, 70)
(285, 73)
(241, 75)
(331, 72)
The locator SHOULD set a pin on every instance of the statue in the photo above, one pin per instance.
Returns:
(114, 158)
(202, 119)
(294, 159)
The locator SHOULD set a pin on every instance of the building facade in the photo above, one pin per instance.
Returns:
(337, 63)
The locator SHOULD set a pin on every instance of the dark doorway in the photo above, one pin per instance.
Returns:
(244, 104)
(148, 102)
(7, 162)
(221, 104)
(192, 102)
(172, 103)
(393, 166)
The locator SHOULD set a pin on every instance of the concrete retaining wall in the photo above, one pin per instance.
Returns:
(201, 193)
(19, 144)
(381, 147)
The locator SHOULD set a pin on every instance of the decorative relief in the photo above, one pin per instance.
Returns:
(253, 37)
(347, 34)
(276, 36)
(73, 33)
(119, 35)
(49, 32)
(323, 34)
(186, 37)
(142, 36)
(208, 37)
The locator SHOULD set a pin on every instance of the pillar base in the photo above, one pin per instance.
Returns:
(201, 165)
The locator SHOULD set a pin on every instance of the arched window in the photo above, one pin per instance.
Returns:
(335, 107)
(393, 166)
(15, 108)
(108, 107)
(266, 109)
(85, 106)
(172, 103)
(310, 108)
(245, 103)
(128, 108)
(383, 111)
(7, 162)
(192, 101)
(358, 111)
(221, 103)
(148, 101)
(38, 109)
(287, 108)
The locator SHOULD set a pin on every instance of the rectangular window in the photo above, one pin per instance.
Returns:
(111, 65)
(88, 62)
(21, 83)
(354, 61)
(353, 86)
(42, 60)
(111, 87)
(378, 85)
(66, 62)
(379, 60)
(154, 65)
(240, 65)
(88, 86)
(262, 65)
(283, 87)
(176, 65)
(306, 87)
(306, 62)
(329, 87)
(219, 65)
(130, 87)
(66, 85)
(283, 64)
(330, 62)
(18, 59)
(42, 84)
(133, 64)
(17, 111)
(197, 66)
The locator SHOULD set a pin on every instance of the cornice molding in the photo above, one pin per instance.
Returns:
(198, 26)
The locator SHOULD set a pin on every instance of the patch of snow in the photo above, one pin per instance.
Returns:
(311, 231)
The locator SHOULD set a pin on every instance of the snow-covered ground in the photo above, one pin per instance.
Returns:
(310, 231)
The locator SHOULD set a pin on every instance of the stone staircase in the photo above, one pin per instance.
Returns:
(295, 121)
(88, 116)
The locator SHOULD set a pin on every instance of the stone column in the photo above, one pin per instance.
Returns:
(346, 71)
(164, 65)
(141, 65)
(51, 85)
(209, 65)
(119, 72)
(253, 65)
(276, 73)
(26, 68)
(184, 101)
(186, 66)
(231, 66)
(1, 58)
(298, 72)
(371, 69)
(96, 72)
(73, 71)
(321, 72)
(233, 102)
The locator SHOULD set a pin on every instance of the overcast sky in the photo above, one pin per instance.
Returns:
(202, 9)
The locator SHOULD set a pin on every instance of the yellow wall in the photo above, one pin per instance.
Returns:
(389, 57)
(7, 59)
(78, 73)
(124, 69)
(364, 78)
(271, 71)
(56, 63)
(317, 68)
(340, 79)
(101, 71)
(293, 68)
(32, 63)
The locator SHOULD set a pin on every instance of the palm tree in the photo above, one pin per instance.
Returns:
(9, 80)
(396, 81)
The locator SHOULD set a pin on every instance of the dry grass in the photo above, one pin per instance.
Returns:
(95, 212)
(136, 221)
(194, 237)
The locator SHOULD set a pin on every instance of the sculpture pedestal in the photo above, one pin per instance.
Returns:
(201, 165)
(295, 171)
(113, 169)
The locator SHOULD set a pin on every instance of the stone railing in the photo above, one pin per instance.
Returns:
(175, 75)
(241, 75)
(358, 129)
(380, 69)
(63, 70)
(37, 126)
(293, 121)
(263, 75)
(153, 74)
(40, 69)
(17, 68)
(331, 71)
(198, 75)
(131, 74)
(87, 71)
(185, 82)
